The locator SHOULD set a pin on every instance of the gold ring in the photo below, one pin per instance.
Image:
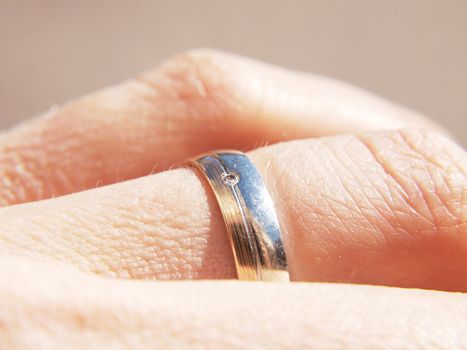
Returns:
(248, 213)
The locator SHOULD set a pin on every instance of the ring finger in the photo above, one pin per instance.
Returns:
(380, 208)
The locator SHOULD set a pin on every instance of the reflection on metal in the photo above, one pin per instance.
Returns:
(248, 213)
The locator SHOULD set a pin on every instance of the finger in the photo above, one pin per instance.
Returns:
(382, 208)
(195, 102)
(53, 309)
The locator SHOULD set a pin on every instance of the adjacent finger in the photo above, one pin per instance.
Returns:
(198, 101)
(46, 308)
(382, 208)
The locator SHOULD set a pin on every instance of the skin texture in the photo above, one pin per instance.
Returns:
(195, 102)
(365, 206)
(96, 313)
(379, 208)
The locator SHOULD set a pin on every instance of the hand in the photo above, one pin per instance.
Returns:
(365, 207)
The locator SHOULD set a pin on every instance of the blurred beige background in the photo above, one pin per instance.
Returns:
(413, 51)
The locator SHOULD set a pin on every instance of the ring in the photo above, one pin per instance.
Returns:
(249, 215)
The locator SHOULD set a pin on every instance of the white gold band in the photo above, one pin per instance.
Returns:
(249, 215)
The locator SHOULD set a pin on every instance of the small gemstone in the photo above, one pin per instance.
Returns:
(230, 179)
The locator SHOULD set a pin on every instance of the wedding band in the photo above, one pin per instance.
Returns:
(248, 213)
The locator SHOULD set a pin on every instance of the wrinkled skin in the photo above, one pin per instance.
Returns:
(369, 193)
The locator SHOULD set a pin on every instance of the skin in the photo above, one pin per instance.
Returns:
(380, 202)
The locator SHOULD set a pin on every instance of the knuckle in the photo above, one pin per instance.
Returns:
(401, 193)
(424, 169)
(197, 81)
(428, 170)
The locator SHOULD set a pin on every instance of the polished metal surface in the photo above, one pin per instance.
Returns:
(249, 215)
